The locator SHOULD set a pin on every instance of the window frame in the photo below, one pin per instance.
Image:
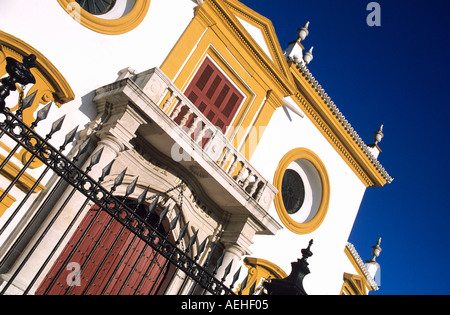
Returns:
(211, 99)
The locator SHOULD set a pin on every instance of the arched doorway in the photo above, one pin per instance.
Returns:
(105, 257)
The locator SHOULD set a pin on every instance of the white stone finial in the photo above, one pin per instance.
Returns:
(376, 250)
(126, 73)
(378, 135)
(303, 32)
(308, 56)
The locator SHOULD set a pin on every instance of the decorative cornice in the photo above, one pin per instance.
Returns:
(277, 76)
(266, 27)
(357, 259)
(304, 71)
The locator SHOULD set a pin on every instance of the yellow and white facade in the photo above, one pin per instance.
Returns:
(283, 123)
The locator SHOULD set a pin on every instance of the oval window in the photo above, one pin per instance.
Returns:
(292, 191)
(304, 191)
(97, 7)
(112, 17)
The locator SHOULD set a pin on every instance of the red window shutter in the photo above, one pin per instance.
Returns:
(214, 95)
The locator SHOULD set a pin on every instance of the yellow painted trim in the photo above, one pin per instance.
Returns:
(55, 86)
(268, 31)
(50, 84)
(314, 106)
(225, 20)
(314, 223)
(118, 26)
(272, 102)
(7, 202)
(211, 46)
(354, 285)
(215, 31)
(25, 182)
(357, 267)
(259, 270)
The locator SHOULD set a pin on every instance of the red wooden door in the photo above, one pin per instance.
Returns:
(119, 262)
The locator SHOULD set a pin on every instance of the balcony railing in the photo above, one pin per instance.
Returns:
(172, 120)
(206, 139)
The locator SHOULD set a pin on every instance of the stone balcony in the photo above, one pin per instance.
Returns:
(177, 129)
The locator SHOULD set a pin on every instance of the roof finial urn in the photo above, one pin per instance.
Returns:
(376, 250)
(303, 32)
(308, 56)
(378, 135)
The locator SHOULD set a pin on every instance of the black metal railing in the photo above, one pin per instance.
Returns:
(30, 226)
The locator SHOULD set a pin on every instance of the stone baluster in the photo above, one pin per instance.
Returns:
(200, 133)
(185, 118)
(211, 131)
(251, 188)
(177, 110)
(240, 174)
(168, 101)
(224, 157)
(247, 180)
(233, 165)
(260, 188)
(194, 125)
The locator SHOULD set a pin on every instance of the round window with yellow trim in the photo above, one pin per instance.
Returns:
(111, 17)
(304, 191)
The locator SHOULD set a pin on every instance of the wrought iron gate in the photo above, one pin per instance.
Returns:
(130, 242)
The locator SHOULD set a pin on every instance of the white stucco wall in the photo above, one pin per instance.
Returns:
(88, 59)
(284, 133)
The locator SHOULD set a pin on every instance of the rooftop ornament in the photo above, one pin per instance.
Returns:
(295, 50)
(293, 284)
(19, 73)
(308, 56)
(303, 32)
(378, 135)
(376, 250)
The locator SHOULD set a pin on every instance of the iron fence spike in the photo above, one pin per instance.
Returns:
(210, 255)
(56, 126)
(107, 169)
(252, 289)
(153, 205)
(96, 157)
(236, 277)
(131, 187)
(42, 113)
(219, 263)
(28, 101)
(227, 271)
(82, 149)
(119, 179)
(243, 285)
(173, 223)
(69, 137)
(162, 216)
(192, 240)
(182, 233)
(201, 248)
(142, 197)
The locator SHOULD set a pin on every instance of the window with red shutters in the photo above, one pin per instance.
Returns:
(214, 95)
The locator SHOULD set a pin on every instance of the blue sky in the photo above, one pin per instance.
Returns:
(397, 75)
